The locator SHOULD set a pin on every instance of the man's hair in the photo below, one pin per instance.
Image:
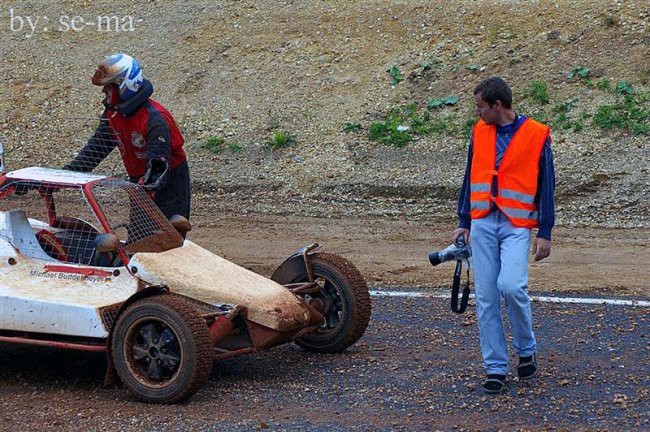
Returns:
(494, 89)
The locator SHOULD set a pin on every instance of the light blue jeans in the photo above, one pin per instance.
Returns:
(500, 258)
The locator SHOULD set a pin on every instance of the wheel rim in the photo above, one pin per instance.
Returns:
(152, 352)
(334, 308)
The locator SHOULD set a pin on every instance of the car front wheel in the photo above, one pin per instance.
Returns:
(161, 349)
(344, 300)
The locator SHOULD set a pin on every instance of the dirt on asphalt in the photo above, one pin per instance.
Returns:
(417, 368)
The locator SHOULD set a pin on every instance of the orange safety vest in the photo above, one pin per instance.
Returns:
(516, 177)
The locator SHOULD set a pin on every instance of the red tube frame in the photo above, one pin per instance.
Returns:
(54, 344)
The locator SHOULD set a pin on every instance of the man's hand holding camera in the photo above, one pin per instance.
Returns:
(458, 232)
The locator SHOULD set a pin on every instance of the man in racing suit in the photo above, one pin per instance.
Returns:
(149, 141)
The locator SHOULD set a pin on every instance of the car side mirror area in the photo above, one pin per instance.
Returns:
(181, 224)
(107, 243)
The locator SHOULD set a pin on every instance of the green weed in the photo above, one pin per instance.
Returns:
(440, 102)
(564, 107)
(562, 119)
(538, 91)
(218, 145)
(624, 88)
(281, 139)
(468, 125)
(215, 144)
(630, 113)
(500, 31)
(396, 75)
(351, 127)
(403, 124)
(603, 84)
(580, 71)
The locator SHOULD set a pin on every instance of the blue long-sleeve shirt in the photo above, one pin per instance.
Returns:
(545, 181)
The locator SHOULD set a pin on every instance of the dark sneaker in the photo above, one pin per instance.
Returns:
(527, 367)
(494, 383)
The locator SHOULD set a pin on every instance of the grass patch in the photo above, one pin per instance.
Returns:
(603, 84)
(218, 145)
(215, 144)
(562, 120)
(403, 124)
(351, 127)
(538, 91)
(281, 139)
(500, 31)
(629, 113)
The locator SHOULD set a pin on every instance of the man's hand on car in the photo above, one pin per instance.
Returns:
(155, 176)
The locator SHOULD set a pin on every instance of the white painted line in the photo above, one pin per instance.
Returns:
(544, 299)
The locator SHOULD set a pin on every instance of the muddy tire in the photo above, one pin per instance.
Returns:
(161, 349)
(347, 311)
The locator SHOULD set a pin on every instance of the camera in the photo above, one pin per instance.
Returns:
(460, 250)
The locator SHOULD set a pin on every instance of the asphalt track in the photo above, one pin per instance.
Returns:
(417, 368)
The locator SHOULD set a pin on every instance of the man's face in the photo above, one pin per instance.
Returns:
(489, 113)
(111, 94)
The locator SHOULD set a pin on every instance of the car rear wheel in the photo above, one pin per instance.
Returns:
(343, 299)
(161, 349)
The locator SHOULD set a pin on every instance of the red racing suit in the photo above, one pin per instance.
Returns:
(143, 130)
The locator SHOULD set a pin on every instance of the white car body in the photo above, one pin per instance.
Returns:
(40, 294)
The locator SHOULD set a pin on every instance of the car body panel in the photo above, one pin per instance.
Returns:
(64, 300)
(198, 273)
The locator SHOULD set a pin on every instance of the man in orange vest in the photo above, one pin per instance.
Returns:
(507, 190)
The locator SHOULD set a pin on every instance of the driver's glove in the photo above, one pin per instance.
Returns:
(156, 175)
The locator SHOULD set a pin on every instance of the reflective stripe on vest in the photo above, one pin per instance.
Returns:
(479, 205)
(518, 196)
(480, 187)
(516, 177)
(520, 214)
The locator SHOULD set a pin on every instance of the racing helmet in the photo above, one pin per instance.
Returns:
(123, 71)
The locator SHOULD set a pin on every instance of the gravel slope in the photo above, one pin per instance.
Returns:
(241, 70)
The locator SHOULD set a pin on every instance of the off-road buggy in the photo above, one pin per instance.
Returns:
(88, 262)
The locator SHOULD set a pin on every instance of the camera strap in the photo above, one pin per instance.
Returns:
(455, 288)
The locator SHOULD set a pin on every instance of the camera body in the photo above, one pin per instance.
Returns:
(460, 250)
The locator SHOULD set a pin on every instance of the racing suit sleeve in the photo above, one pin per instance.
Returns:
(158, 153)
(158, 138)
(99, 146)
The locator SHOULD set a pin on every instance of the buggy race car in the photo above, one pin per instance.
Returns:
(88, 262)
